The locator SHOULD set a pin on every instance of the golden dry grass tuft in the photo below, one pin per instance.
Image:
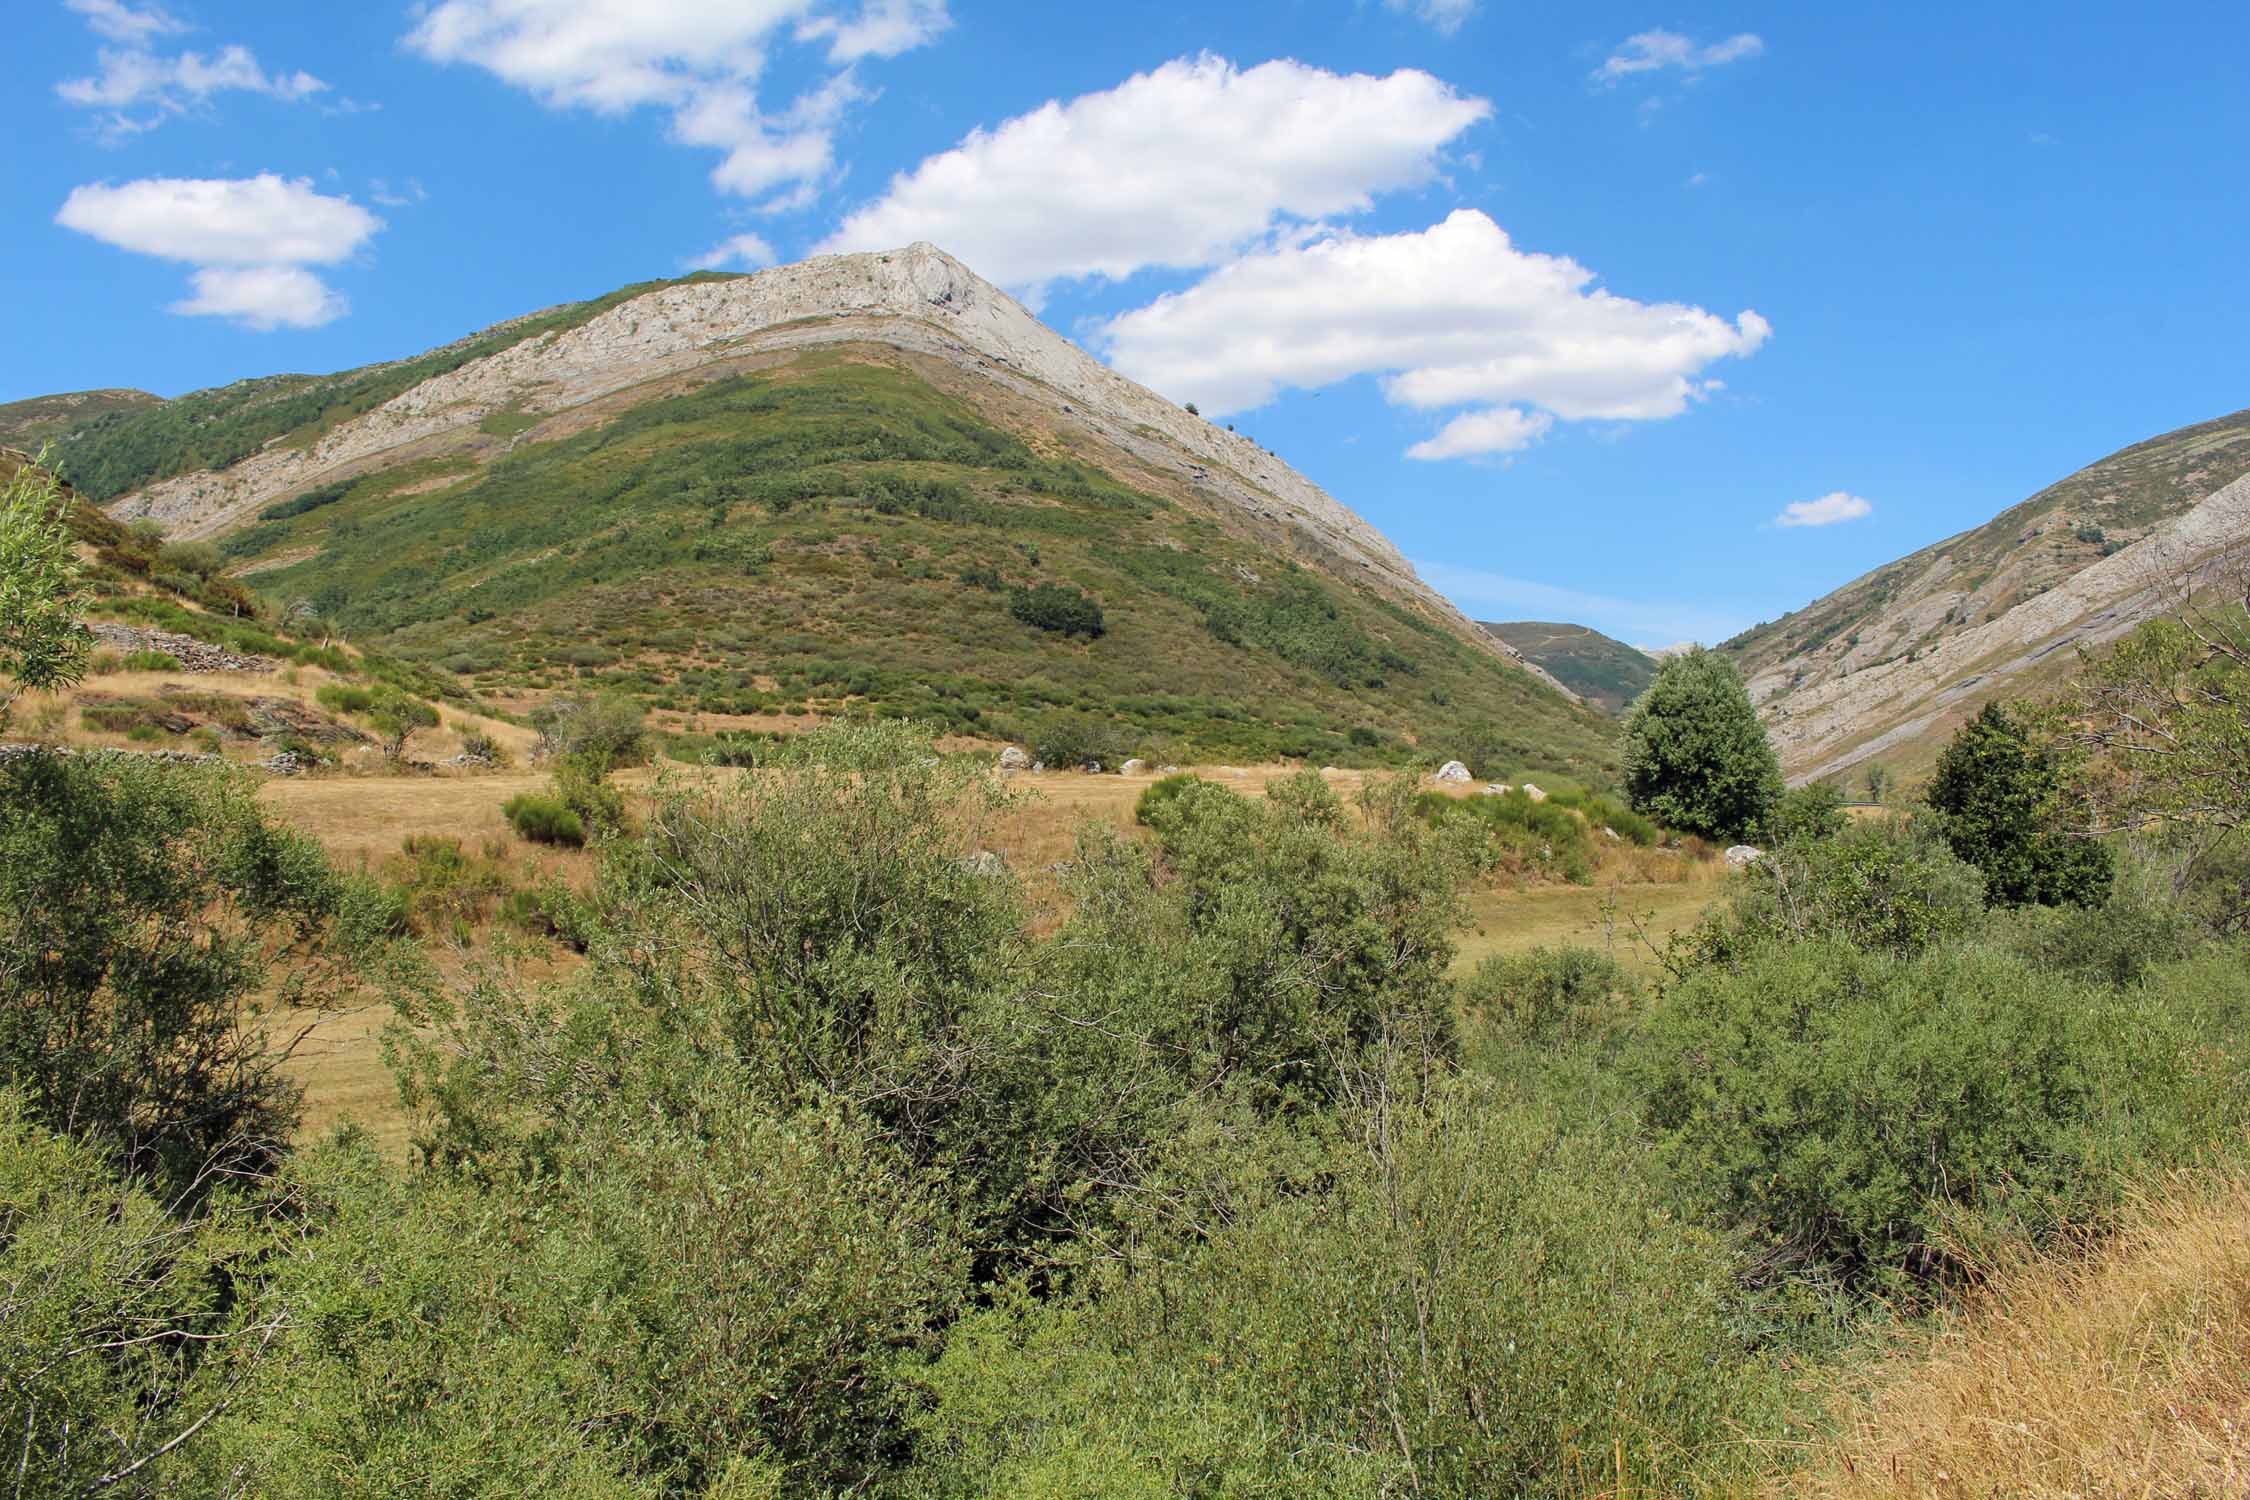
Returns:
(2125, 1373)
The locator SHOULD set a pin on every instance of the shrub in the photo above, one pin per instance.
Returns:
(605, 731)
(344, 698)
(395, 715)
(1812, 811)
(1884, 887)
(150, 661)
(1161, 791)
(476, 743)
(1547, 993)
(1057, 609)
(1068, 740)
(198, 560)
(1843, 1102)
(1996, 794)
(545, 819)
(1696, 757)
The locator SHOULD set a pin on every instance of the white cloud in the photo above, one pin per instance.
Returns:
(119, 22)
(748, 251)
(883, 28)
(263, 297)
(1654, 51)
(1445, 15)
(1503, 429)
(1495, 596)
(700, 59)
(244, 221)
(133, 77)
(1826, 511)
(250, 238)
(1178, 167)
(1454, 315)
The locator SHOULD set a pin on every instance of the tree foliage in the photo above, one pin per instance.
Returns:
(141, 905)
(42, 643)
(1696, 757)
(1997, 794)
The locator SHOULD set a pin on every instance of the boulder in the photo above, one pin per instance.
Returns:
(1742, 855)
(1014, 759)
(1534, 793)
(1452, 771)
(985, 862)
(1494, 789)
(1167, 770)
(1133, 767)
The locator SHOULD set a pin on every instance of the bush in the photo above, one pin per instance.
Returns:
(1696, 757)
(604, 732)
(1057, 609)
(1844, 1103)
(545, 819)
(1161, 791)
(344, 698)
(140, 907)
(1547, 993)
(1812, 811)
(1884, 887)
(198, 560)
(477, 744)
(395, 715)
(150, 661)
(1066, 741)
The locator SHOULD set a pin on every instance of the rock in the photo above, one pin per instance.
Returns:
(1534, 793)
(985, 862)
(1014, 759)
(1611, 834)
(1038, 768)
(1493, 789)
(1742, 856)
(1451, 771)
(1167, 770)
(192, 655)
(1134, 767)
(1092, 768)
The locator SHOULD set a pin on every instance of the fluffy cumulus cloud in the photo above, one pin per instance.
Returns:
(1178, 167)
(136, 87)
(1660, 51)
(1452, 316)
(702, 60)
(250, 238)
(1826, 511)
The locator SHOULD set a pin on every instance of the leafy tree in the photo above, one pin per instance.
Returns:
(141, 907)
(1878, 783)
(1997, 797)
(604, 731)
(1057, 609)
(197, 559)
(2166, 716)
(1696, 757)
(42, 643)
(396, 715)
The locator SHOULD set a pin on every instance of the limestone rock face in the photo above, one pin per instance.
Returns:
(1451, 771)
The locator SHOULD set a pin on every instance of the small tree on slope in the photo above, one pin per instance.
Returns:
(1696, 757)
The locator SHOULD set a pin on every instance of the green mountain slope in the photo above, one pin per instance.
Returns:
(34, 423)
(1607, 673)
(849, 518)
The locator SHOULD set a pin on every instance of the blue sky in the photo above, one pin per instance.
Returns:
(1579, 307)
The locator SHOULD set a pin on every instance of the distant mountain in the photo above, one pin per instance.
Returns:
(30, 425)
(1886, 668)
(1606, 673)
(868, 482)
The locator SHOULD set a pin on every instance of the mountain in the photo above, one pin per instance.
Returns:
(1887, 667)
(30, 425)
(868, 481)
(1606, 673)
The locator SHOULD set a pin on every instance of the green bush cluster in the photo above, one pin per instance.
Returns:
(545, 819)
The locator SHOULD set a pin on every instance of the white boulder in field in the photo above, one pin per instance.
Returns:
(1452, 770)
